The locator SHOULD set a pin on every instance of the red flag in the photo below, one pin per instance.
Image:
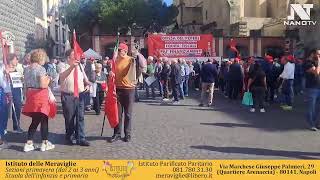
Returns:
(233, 45)
(77, 53)
(111, 102)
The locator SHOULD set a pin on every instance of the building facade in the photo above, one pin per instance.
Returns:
(51, 27)
(30, 24)
(243, 18)
(17, 23)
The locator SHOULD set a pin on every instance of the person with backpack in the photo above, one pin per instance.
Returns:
(257, 85)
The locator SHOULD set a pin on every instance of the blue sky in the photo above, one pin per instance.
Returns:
(169, 2)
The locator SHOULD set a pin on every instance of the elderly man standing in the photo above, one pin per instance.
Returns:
(125, 91)
(176, 80)
(164, 78)
(150, 72)
(73, 107)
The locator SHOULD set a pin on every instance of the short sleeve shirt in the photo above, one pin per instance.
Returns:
(32, 76)
(312, 80)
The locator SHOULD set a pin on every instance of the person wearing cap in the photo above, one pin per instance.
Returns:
(125, 87)
(288, 77)
(312, 75)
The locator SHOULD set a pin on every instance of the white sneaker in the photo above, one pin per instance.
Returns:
(5, 132)
(28, 147)
(47, 146)
(262, 110)
(176, 102)
(252, 110)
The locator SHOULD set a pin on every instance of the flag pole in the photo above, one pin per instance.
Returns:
(112, 69)
(104, 120)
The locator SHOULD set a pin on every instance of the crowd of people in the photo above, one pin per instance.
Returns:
(270, 80)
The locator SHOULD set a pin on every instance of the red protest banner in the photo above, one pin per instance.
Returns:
(174, 46)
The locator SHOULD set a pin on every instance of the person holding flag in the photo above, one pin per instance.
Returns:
(74, 84)
(124, 75)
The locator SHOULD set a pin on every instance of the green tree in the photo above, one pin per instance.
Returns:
(114, 15)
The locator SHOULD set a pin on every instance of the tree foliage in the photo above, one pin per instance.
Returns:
(114, 15)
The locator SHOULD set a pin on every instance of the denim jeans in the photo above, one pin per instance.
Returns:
(181, 88)
(153, 90)
(87, 99)
(160, 86)
(298, 86)
(287, 91)
(3, 113)
(73, 112)
(313, 97)
(186, 85)
(17, 97)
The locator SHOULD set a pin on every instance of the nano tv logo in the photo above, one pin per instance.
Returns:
(303, 11)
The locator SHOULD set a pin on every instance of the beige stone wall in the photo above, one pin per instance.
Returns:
(218, 11)
(274, 30)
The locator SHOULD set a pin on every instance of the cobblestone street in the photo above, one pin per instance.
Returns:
(186, 131)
